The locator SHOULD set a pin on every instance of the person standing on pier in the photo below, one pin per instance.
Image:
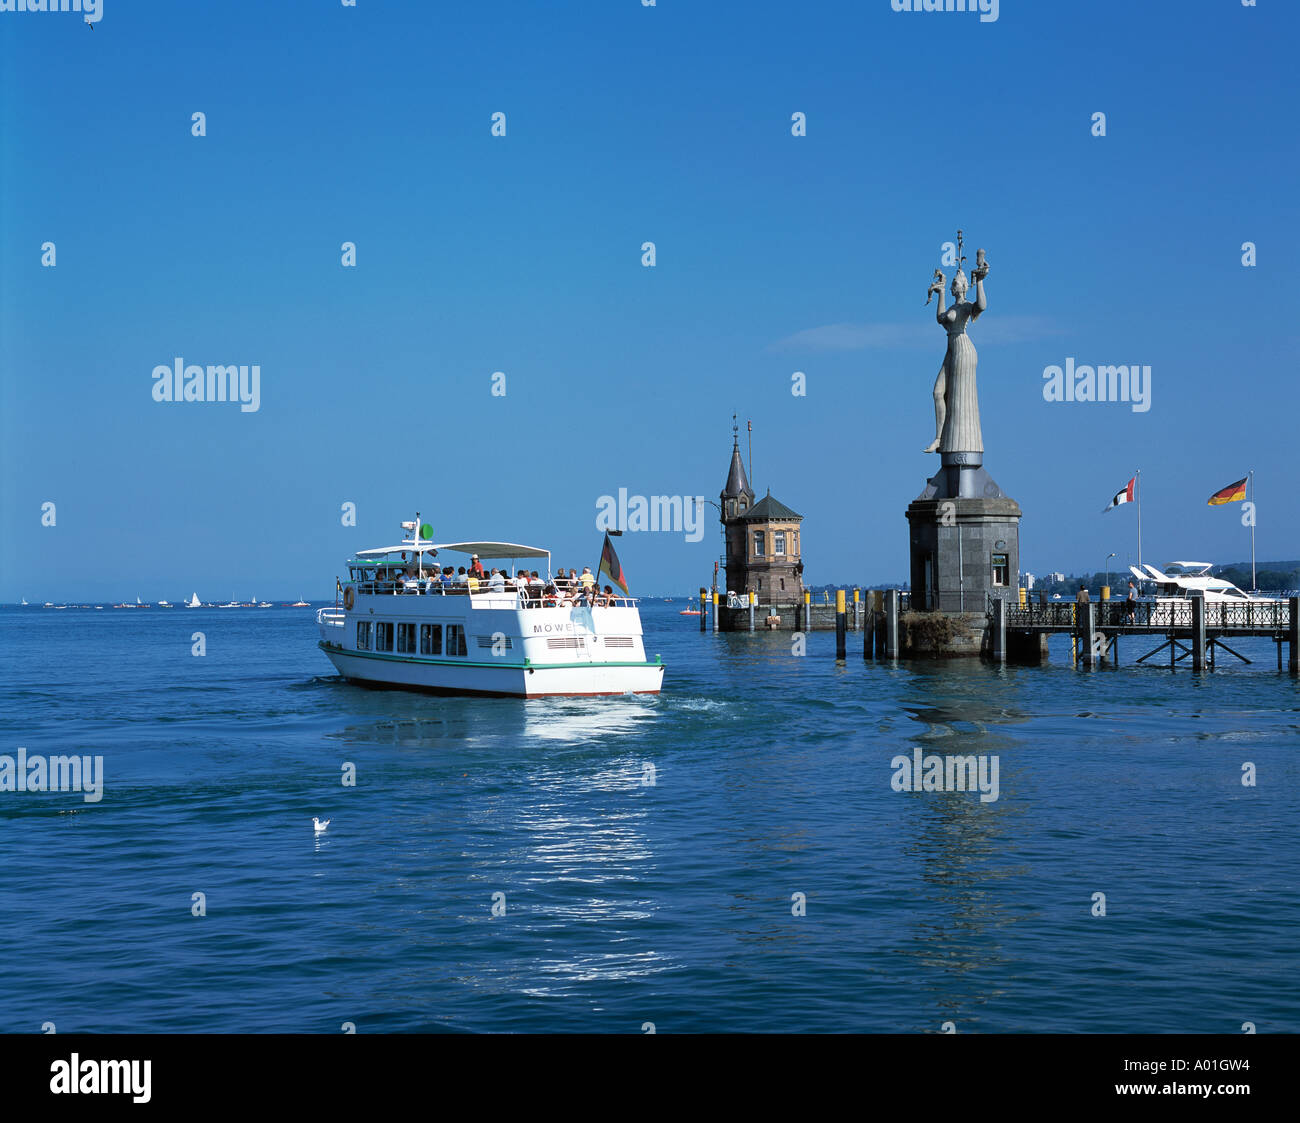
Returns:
(1082, 597)
(1131, 603)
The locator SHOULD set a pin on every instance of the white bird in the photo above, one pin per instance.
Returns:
(320, 827)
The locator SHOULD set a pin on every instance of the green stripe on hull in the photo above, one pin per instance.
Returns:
(498, 666)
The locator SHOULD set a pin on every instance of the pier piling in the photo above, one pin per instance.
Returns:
(1293, 633)
(999, 638)
(704, 615)
(891, 624)
(753, 600)
(1198, 629)
(841, 625)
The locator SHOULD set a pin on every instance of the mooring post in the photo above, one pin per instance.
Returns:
(753, 600)
(1089, 624)
(1293, 632)
(869, 631)
(715, 610)
(999, 630)
(704, 611)
(807, 611)
(857, 611)
(891, 624)
(1198, 629)
(841, 625)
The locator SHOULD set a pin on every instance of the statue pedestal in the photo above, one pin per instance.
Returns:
(964, 542)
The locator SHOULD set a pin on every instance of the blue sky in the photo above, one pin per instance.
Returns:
(522, 254)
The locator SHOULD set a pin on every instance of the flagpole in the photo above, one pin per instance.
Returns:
(1138, 476)
(1253, 586)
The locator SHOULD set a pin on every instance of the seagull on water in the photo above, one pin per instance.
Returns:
(320, 827)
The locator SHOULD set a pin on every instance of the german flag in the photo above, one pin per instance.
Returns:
(610, 564)
(1233, 493)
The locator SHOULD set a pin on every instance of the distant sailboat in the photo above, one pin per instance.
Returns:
(193, 602)
(164, 604)
(299, 603)
(24, 604)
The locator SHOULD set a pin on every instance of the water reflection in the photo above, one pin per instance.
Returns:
(964, 850)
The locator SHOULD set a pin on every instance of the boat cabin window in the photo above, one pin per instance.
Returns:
(383, 635)
(363, 635)
(455, 640)
(430, 639)
(406, 639)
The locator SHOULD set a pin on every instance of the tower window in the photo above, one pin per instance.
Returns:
(731, 508)
(778, 543)
(760, 542)
(1001, 569)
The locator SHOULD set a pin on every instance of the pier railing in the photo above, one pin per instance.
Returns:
(1163, 612)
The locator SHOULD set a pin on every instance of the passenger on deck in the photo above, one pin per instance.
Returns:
(535, 581)
(472, 583)
(475, 566)
(462, 578)
(608, 598)
(587, 579)
(497, 581)
(550, 597)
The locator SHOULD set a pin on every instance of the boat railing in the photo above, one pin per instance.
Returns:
(532, 597)
(331, 617)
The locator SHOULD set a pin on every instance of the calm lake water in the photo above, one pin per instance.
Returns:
(626, 901)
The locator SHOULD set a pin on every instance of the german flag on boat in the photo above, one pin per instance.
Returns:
(1233, 493)
(610, 564)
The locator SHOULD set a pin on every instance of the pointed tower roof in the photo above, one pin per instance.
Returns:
(737, 481)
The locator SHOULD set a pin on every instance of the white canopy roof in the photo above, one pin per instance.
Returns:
(496, 549)
(483, 549)
(405, 547)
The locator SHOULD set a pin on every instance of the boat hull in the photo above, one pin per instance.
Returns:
(586, 679)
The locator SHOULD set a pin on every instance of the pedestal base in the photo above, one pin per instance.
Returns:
(963, 548)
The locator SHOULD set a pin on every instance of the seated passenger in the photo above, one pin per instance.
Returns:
(535, 581)
(462, 578)
(472, 583)
(550, 598)
(587, 579)
(497, 582)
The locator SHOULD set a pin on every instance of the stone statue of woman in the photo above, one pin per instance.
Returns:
(956, 407)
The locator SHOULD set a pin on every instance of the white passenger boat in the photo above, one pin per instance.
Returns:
(417, 633)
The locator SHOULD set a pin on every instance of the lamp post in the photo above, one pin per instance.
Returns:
(1112, 554)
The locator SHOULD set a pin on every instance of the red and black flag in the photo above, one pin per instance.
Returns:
(1233, 493)
(1124, 495)
(610, 564)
